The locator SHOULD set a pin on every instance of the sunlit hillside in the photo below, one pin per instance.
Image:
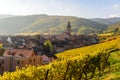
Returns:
(115, 28)
(47, 24)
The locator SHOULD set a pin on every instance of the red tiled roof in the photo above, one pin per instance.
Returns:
(18, 52)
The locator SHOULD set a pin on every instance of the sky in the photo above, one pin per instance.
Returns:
(78, 8)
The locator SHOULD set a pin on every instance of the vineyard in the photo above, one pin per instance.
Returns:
(76, 64)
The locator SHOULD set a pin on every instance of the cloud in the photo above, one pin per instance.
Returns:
(113, 15)
(116, 5)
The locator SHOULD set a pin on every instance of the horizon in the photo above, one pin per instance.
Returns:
(13, 15)
(77, 8)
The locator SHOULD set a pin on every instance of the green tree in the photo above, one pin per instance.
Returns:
(1, 46)
(48, 47)
(38, 37)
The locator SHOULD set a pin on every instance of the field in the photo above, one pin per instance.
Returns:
(96, 62)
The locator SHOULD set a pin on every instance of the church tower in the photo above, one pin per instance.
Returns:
(69, 28)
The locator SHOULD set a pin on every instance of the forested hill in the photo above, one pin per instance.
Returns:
(114, 28)
(107, 21)
(48, 24)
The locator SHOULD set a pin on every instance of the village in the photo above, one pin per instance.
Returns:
(31, 50)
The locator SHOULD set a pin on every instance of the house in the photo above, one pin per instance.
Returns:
(18, 57)
(45, 57)
(2, 64)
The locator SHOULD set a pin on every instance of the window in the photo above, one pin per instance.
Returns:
(21, 55)
(9, 53)
(13, 53)
(22, 62)
(0, 65)
(32, 54)
(18, 62)
(2, 68)
(30, 60)
(34, 60)
(2, 62)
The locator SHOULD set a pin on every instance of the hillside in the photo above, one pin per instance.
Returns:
(77, 64)
(114, 27)
(15, 24)
(107, 21)
(48, 24)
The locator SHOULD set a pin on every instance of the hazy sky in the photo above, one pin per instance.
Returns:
(79, 8)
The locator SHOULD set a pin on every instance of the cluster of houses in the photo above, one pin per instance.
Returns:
(29, 50)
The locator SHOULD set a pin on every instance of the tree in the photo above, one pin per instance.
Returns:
(1, 49)
(48, 47)
(1, 46)
(116, 31)
(38, 37)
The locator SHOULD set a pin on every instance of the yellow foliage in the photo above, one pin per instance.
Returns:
(1, 45)
(69, 65)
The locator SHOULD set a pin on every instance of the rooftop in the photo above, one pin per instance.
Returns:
(18, 52)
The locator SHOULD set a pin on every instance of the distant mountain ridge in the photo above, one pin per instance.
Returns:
(57, 24)
(6, 16)
(107, 21)
(47, 24)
